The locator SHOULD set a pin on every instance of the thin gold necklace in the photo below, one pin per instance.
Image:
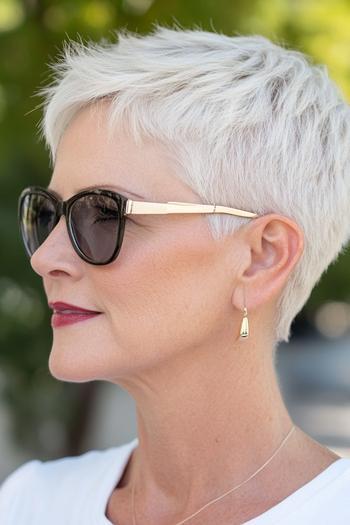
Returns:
(228, 492)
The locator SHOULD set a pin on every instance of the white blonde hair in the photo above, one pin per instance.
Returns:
(251, 124)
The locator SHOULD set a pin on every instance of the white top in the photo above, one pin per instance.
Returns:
(75, 490)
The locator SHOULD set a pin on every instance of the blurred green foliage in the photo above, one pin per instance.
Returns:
(47, 414)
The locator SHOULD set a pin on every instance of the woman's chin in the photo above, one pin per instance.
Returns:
(76, 362)
(64, 368)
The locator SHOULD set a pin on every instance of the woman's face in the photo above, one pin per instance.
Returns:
(168, 292)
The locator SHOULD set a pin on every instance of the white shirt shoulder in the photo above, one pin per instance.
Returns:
(65, 490)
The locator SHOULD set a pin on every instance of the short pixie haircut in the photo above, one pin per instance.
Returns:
(249, 124)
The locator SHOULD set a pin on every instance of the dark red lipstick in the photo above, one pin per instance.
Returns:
(65, 313)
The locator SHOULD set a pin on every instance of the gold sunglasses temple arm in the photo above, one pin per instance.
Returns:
(141, 207)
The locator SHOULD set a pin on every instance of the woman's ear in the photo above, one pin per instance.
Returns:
(271, 247)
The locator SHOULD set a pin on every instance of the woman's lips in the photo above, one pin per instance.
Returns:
(65, 313)
(60, 319)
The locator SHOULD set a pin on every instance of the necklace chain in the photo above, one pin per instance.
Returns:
(225, 494)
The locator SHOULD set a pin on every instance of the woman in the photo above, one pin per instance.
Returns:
(158, 299)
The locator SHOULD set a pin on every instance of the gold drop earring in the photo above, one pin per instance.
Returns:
(245, 325)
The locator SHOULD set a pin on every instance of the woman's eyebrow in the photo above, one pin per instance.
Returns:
(112, 186)
(104, 186)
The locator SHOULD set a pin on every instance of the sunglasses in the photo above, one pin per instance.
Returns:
(95, 219)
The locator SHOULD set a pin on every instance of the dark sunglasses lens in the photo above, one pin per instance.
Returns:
(37, 220)
(95, 222)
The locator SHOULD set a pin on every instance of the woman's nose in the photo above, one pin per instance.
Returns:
(56, 255)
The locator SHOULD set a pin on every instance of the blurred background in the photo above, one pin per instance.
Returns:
(41, 417)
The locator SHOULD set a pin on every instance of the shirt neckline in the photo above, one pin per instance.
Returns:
(303, 494)
(111, 477)
(285, 506)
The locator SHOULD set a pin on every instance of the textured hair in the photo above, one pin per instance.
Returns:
(249, 123)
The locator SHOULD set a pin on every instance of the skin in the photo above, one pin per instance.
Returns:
(209, 408)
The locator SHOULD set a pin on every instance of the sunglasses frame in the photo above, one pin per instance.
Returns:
(125, 207)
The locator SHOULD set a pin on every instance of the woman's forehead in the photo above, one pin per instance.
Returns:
(86, 159)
